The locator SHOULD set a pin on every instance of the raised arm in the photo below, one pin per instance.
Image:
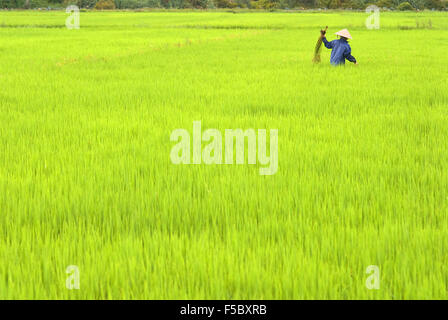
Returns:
(328, 44)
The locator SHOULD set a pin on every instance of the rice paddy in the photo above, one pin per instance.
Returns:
(86, 177)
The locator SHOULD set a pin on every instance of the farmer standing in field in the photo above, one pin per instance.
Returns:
(340, 48)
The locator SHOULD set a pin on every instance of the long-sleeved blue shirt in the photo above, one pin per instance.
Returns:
(341, 51)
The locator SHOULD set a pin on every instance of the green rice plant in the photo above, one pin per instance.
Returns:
(86, 178)
(318, 48)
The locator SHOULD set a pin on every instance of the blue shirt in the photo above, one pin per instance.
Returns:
(341, 51)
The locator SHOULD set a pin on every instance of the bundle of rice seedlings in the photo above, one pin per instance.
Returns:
(318, 48)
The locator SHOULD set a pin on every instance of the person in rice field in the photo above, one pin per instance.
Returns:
(340, 48)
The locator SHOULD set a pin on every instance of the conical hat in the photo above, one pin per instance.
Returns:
(344, 33)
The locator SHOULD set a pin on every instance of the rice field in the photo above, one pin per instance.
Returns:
(86, 177)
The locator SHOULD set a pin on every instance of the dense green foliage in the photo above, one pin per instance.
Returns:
(210, 4)
(86, 178)
(404, 6)
(105, 5)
